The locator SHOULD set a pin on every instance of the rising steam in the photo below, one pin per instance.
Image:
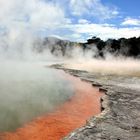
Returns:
(109, 66)
(27, 88)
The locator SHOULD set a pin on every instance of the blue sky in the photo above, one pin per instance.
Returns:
(75, 20)
(127, 7)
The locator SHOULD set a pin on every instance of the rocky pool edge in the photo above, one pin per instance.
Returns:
(120, 116)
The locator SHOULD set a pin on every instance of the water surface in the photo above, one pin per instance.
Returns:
(29, 90)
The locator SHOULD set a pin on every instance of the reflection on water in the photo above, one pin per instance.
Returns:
(28, 91)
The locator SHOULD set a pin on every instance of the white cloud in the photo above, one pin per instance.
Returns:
(104, 31)
(22, 17)
(47, 15)
(83, 21)
(131, 21)
(93, 8)
(76, 36)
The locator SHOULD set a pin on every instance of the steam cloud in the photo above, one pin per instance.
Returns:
(110, 66)
(21, 21)
(27, 88)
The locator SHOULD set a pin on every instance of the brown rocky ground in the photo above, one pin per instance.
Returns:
(120, 117)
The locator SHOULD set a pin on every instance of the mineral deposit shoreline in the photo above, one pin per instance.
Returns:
(120, 117)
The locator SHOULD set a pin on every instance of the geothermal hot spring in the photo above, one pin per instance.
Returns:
(40, 103)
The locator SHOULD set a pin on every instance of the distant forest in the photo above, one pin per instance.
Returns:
(117, 47)
(125, 47)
